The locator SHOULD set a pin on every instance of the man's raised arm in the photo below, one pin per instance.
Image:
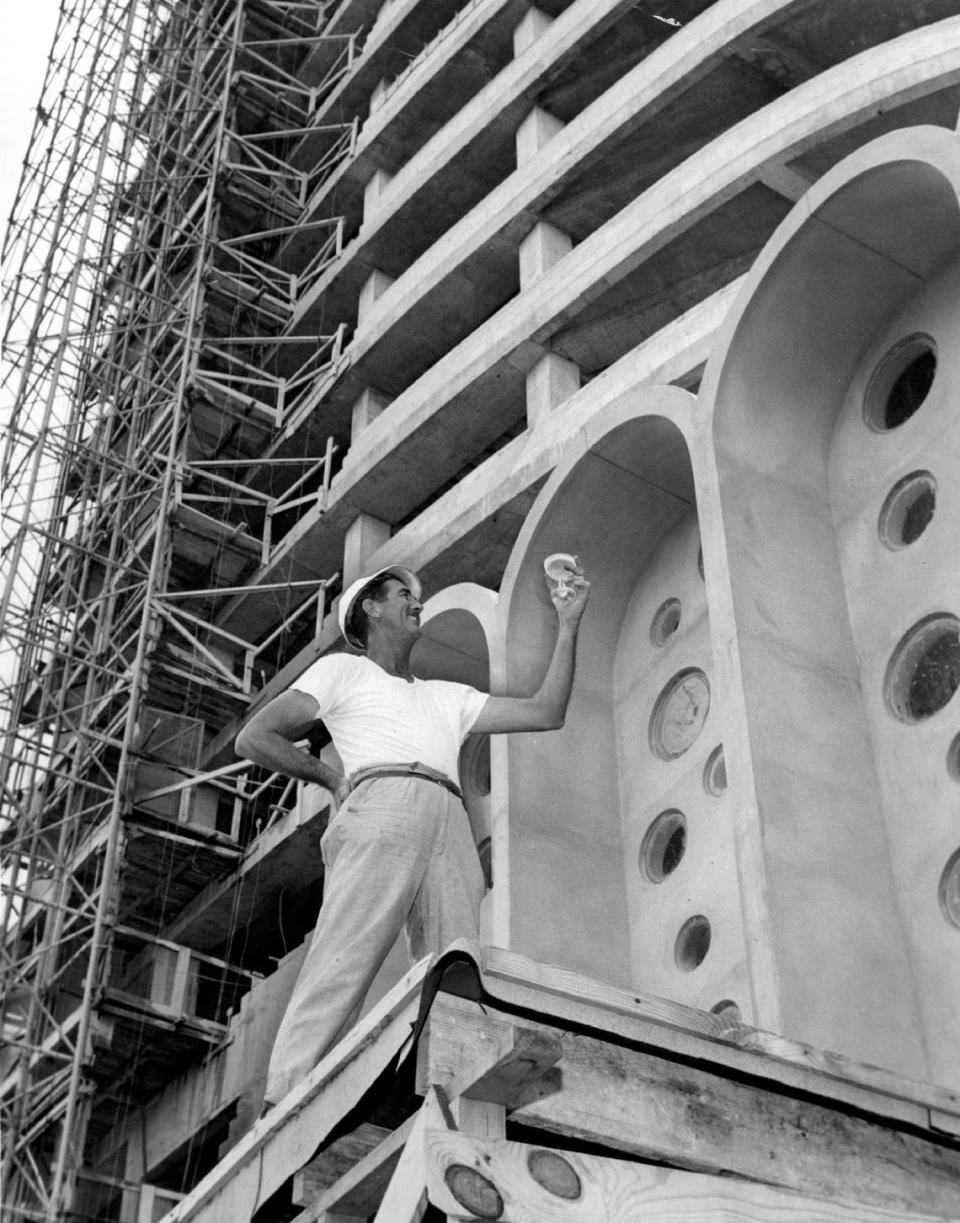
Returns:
(270, 738)
(547, 708)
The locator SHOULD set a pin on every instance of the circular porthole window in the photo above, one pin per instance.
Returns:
(666, 621)
(679, 713)
(693, 943)
(924, 672)
(950, 890)
(715, 773)
(663, 846)
(901, 383)
(907, 510)
(728, 1009)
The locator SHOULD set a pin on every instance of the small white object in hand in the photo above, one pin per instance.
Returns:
(560, 569)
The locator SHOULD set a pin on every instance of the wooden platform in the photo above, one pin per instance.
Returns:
(487, 1086)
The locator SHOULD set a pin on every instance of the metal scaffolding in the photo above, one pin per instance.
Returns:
(165, 229)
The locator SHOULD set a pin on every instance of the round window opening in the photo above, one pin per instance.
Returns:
(907, 510)
(950, 890)
(693, 943)
(715, 772)
(679, 713)
(924, 672)
(663, 846)
(666, 621)
(900, 383)
(728, 1009)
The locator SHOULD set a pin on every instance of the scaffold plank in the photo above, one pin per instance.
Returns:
(282, 1142)
(469, 1177)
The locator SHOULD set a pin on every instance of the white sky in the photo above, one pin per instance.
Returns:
(25, 39)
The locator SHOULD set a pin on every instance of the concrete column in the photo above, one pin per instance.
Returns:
(543, 246)
(366, 409)
(529, 30)
(534, 132)
(551, 381)
(363, 537)
(373, 191)
(374, 286)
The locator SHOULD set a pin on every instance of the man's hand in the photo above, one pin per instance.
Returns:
(571, 601)
(339, 793)
(548, 708)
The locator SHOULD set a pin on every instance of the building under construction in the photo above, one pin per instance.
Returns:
(296, 290)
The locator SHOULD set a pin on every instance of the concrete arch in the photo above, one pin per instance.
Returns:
(623, 497)
(816, 854)
(458, 625)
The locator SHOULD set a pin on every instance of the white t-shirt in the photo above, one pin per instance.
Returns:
(376, 718)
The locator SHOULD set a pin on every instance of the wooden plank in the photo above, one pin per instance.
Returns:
(479, 1117)
(469, 1177)
(698, 1117)
(360, 1189)
(688, 1116)
(335, 1161)
(469, 1051)
(944, 1123)
(405, 1200)
(283, 1141)
(484, 1073)
(566, 996)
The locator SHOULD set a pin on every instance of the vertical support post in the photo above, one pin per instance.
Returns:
(366, 409)
(364, 536)
(373, 288)
(534, 23)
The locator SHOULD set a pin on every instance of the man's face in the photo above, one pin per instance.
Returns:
(399, 609)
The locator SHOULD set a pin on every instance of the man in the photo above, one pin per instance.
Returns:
(398, 852)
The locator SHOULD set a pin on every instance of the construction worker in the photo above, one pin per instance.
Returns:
(398, 852)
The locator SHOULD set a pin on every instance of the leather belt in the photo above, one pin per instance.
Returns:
(404, 770)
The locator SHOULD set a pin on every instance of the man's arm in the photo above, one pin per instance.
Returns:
(270, 736)
(547, 708)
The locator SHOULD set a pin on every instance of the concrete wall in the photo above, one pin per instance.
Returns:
(678, 845)
(625, 484)
(894, 579)
(843, 827)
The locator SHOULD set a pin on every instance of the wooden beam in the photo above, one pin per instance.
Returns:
(685, 1106)
(405, 1200)
(480, 1075)
(566, 998)
(469, 1178)
(335, 1161)
(690, 1117)
(360, 1188)
(469, 1051)
(283, 1141)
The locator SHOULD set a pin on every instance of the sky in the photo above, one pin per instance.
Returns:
(28, 30)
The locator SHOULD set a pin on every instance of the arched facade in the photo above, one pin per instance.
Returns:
(845, 826)
(458, 623)
(591, 879)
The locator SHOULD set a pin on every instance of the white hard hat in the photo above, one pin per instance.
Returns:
(349, 597)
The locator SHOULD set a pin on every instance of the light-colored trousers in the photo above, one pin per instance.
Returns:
(398, 854)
